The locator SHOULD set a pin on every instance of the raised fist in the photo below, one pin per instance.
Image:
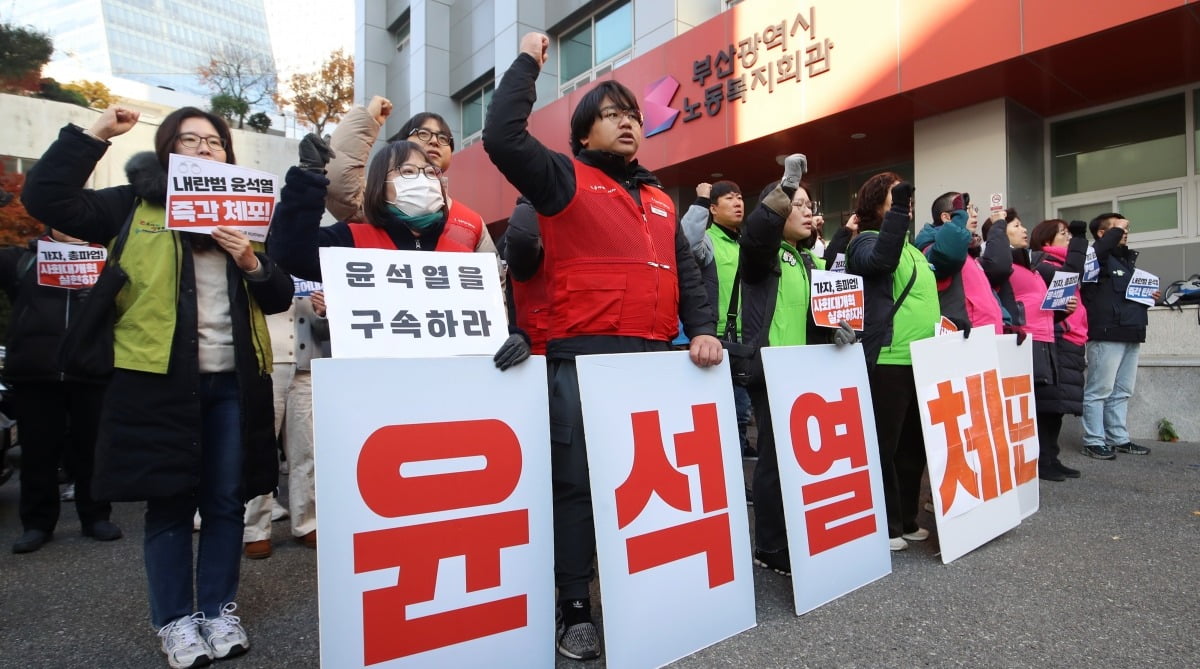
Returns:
(536, 45)
(379, 108)
(114, 121)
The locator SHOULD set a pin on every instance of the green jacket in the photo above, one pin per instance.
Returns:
(146, 316)
(789, 324)
(725, 257)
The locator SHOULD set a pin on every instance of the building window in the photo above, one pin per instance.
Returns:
(474, 109)
(1131, 159)
(596, 45)
(400, 32)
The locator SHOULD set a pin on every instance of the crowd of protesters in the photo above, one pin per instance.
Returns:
(206, 382)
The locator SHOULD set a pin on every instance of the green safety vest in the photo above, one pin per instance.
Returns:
(789, 324)
(919, 313)
(725, 255)
(145, 327)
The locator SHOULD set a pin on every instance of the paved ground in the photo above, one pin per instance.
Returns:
(1105, 575)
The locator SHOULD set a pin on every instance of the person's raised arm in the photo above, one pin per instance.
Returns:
(351, 144)
(546, 178)
(996, 259)
(54, 190)
(869, 257)
(695, 222)
(295, 235)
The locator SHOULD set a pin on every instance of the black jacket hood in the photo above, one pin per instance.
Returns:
(148, 178)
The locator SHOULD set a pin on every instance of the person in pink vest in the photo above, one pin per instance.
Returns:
(1029, 283)
(1063, 247)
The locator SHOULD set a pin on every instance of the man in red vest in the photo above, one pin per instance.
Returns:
(621, 277)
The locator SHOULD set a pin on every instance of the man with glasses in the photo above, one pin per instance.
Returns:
(604, 219)
(352, 141)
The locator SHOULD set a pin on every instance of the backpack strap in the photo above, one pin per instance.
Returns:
(732, 312)
(903, 294)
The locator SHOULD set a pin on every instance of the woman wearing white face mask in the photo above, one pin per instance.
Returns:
(404, 206)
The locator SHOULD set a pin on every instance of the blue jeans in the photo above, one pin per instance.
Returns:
(1111, 374)
(168, 543)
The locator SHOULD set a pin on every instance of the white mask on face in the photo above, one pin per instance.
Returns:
(419, 196)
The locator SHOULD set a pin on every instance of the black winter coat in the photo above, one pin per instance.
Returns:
(1066, 396)
(149, 442)
(39, 319)
(1111, 317)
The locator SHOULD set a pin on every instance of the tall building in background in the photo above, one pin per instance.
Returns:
(157, 42)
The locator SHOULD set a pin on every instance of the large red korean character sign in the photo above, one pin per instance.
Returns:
(972, 419)
(1020, 415)
(653, 474)
(436, 544)
(664, 460)
(829, 470)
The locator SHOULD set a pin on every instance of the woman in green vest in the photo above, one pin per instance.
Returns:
(187, 416)
(901, 307)
(776, 270)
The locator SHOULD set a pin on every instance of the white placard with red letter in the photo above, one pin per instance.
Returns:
(70, 266)
(837, 297)
(392, 304)
(961, 401)
(1020, 414)
(433, 480)
(829, 470)
(666, 476)
(202, 194)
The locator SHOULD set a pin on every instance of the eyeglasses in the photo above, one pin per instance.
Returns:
(410, 171)
(427, 135)
(615, 114)
(191, 141)
(804, 204)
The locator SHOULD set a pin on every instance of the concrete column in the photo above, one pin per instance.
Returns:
(992, 147)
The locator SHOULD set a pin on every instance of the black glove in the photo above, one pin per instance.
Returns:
(314, 154)
(1077, 228)
(901, 195)
(513, 351)
(844, 334)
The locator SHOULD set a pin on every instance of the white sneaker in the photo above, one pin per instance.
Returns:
(278, 513)
(182, 643)
(897, 544)
(921, 534)
(224, 633)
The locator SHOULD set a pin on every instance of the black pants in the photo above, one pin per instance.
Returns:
(770, 529)
(1049, 427)
(56, 419)
(901, 444)
(574, 531)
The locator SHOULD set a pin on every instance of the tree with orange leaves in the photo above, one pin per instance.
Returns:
(323, 96)
(17, 227)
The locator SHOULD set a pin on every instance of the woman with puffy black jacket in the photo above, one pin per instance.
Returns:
(187, 421)
(1061, 247)
(1029, 282)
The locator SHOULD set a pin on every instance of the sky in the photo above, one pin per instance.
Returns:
(304, 32)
